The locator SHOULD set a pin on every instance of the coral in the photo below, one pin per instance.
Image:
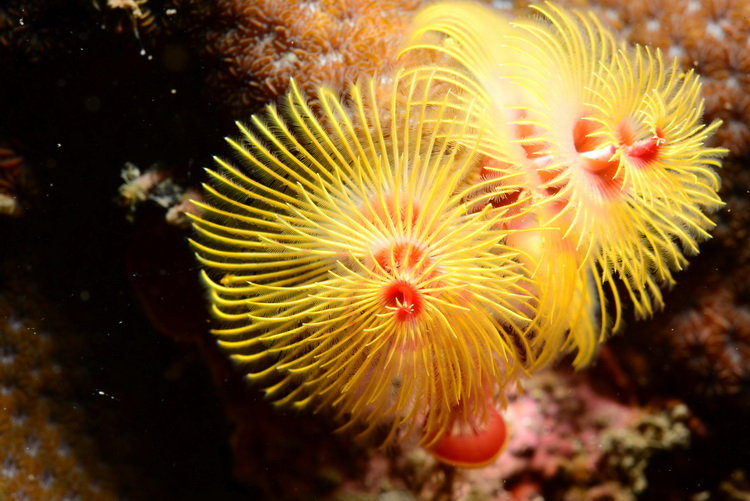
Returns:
(263, 44)
(258, 47)
(589, 439)
(710, 343)
(626, 451)
(732, 230)
(590, 443)
(44, 452)
(568, 441)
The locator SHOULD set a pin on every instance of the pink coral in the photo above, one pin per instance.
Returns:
(569, 440)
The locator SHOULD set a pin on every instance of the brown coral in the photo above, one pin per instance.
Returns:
(263, 44)
(711, 343)
(733, 228)
(44, 453)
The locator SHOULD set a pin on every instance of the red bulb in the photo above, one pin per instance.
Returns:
(472, 446)
(405, 298)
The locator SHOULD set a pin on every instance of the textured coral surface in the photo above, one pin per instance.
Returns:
(262, 44)
(45, 450)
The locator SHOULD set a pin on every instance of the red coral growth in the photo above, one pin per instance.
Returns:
(264, 43)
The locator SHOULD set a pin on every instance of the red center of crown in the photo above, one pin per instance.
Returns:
(403, 260)
(401, 294)
(404, 298)
(640, 152)
(645, 151)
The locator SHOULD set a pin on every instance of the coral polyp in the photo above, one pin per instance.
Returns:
(347, 272)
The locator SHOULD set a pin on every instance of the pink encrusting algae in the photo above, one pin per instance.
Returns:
(401, 256)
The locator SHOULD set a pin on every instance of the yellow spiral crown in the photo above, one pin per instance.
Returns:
(400, 256)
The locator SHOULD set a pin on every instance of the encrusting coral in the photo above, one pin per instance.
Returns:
(591, 440)
(593, 447)
(402, 257)
(263, 44)
(44, 452)
(710, 344)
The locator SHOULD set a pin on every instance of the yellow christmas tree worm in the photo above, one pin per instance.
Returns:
(347, 271)
(470, 43)
(400, 256)
(608, 136)
(626, 147)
